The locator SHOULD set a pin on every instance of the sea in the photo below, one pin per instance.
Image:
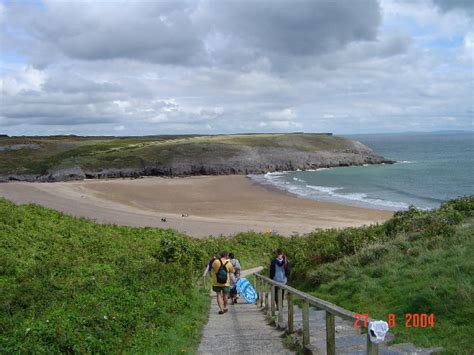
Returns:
(431, 168)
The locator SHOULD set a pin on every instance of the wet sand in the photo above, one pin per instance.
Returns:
(215, 205)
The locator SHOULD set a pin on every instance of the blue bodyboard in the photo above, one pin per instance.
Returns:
(246, 290)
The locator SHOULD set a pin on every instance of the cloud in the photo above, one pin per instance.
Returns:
(157, 32)
(206, 66)
(455, 5)
(276, 33)
(286, 114)
(24, 80)
(195, 33)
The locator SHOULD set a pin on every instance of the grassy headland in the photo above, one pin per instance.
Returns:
(29, 158)
(70, 285)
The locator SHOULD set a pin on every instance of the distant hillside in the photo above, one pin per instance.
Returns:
(61, 158)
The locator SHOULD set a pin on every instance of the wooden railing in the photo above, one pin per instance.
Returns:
(205, 277)
(332, 311)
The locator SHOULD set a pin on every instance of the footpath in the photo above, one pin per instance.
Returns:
(245, 330)
(242, 330)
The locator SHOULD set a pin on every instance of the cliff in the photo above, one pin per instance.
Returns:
(62, 159)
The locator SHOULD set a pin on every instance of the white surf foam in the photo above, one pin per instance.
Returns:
(325, 193)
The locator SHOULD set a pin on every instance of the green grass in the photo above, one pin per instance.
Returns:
(95, 153)
(70, 285)
(422, 262)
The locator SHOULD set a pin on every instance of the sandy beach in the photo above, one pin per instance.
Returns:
(214, 205)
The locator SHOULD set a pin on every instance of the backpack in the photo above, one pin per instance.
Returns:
(221, 275)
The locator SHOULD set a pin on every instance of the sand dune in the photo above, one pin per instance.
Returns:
(214, 204)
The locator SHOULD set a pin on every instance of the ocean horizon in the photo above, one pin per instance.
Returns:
(431, 168)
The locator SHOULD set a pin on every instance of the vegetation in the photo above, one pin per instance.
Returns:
(417, 262)
(95, 153)
(70, 285)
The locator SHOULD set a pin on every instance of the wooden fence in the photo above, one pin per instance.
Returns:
(332, 311)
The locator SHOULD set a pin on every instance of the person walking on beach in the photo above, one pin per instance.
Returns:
(221, 270)
(233, 278)
(279, 271)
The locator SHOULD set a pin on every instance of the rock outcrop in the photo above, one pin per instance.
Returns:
(219, 159)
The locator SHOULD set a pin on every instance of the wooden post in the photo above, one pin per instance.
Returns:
(257, 288)
(289, 300)
(272, 301)
(305, 323)
(280, 305)
(330, 334)
(372, 349)
(267, 308)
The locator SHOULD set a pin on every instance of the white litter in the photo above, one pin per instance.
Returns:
(377, 331)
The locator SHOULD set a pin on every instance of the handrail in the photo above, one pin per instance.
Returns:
(317, 302)
(331, 310)
(204, 276)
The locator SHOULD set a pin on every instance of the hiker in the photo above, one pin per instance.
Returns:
(235, 263)
(279, 271)
(233, 278)
(211, 261)
(221, 270)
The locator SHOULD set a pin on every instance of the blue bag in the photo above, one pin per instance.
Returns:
(246, 290)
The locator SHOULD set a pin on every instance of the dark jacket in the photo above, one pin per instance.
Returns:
(284, 262)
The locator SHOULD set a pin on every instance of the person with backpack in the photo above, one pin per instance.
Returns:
(280, 270)
(221, 270)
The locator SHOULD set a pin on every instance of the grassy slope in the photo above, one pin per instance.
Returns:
(418, 262)
(70, 285)
(59, 277)
(135, 152)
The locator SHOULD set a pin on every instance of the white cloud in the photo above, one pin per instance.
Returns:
(282, 115)
(25, 79)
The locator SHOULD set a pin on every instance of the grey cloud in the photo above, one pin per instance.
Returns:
(149, 31)
(461, 5)
(72, 84)
(297, 28)
(363, 51)
(234, 34)
(58, 121)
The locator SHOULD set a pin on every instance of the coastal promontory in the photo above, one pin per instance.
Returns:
(62, 158)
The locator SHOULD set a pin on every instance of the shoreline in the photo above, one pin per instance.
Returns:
(214, 205)
(340, 201)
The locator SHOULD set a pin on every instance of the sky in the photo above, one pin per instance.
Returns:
(224, 66)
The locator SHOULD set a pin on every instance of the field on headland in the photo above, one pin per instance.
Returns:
(62, 158)
(70, 285)
(215, 205)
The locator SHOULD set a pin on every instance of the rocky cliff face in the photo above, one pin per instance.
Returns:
(234, 159)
